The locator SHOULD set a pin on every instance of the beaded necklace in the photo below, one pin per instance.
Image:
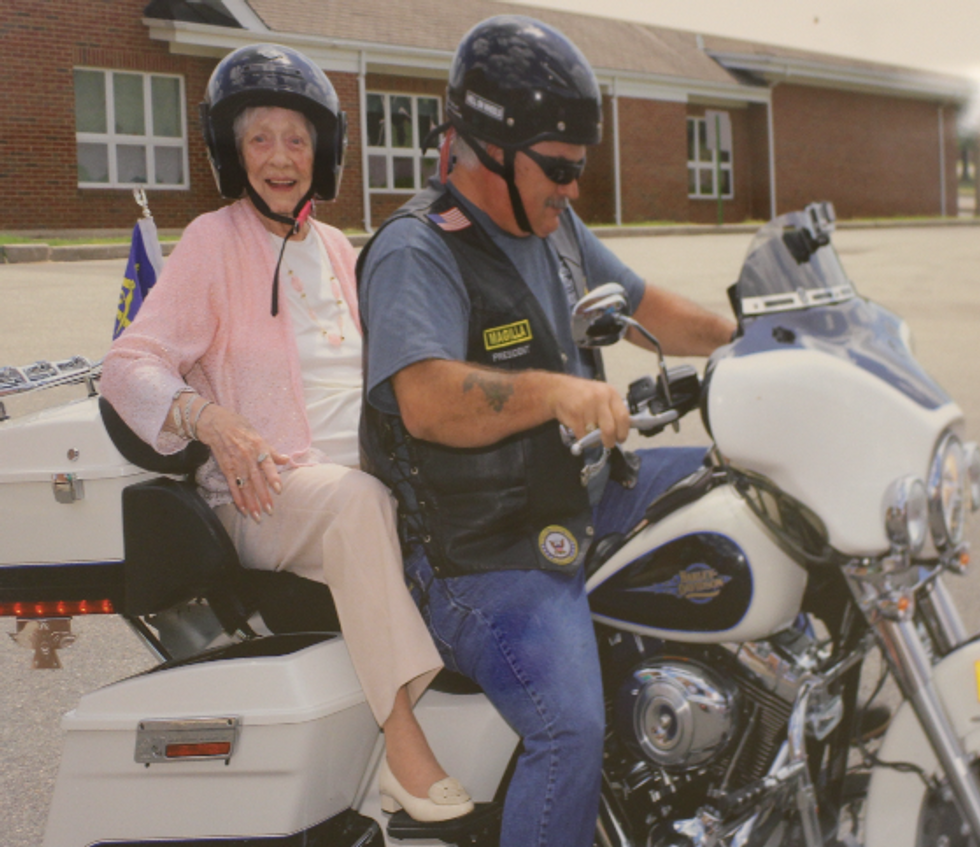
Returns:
(334, 335)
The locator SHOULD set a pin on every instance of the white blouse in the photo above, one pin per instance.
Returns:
(329, 346)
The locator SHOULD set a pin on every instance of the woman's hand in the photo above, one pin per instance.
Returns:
(245, 458)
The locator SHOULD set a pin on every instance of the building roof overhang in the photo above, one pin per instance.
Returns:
(840, 74)
(352, 56)
(700, 69)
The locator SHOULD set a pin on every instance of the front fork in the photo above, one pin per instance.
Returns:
(889, 610)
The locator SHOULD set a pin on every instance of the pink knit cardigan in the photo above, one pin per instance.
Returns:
(207, 324)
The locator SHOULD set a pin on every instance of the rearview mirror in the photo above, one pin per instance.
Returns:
(601, 317)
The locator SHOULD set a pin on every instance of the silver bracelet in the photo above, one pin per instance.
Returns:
(187, 416)
(197, 417)
(178, 419)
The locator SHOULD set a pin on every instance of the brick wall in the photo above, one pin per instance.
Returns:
(653, 160)
(41, 42)
(346, 212)
(757, 121)
(597, 197)
(871, 155)
(38, 165)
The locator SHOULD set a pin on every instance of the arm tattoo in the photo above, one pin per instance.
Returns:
(497, 391)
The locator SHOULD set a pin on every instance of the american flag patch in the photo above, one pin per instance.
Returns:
(450, 220)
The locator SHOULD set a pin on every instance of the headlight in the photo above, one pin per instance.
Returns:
(906, 513)
(972, 454)
(948, 492)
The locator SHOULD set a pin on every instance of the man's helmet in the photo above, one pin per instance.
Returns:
(272, 75)
(514, 82)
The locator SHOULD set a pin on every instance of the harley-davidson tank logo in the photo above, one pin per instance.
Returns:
(558, 545)
(698, 583)
(507, 335)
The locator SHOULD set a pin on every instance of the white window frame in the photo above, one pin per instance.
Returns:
(696, 165)
(113, 139)
(391, 153)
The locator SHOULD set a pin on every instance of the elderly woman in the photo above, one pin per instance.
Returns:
(251, 344)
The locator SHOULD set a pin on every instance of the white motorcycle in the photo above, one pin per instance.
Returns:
(733, 621)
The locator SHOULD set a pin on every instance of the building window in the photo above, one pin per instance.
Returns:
(396, 126)
(130, 129)
(707, 165)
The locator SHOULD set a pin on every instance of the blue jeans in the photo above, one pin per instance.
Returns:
(526, 638)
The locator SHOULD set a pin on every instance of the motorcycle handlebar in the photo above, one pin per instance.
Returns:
(642, 421)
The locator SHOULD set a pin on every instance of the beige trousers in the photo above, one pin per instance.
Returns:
(336, 525)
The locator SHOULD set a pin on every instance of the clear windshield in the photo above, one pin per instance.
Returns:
(791, 265)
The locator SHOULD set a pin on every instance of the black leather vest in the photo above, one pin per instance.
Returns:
(516, 504)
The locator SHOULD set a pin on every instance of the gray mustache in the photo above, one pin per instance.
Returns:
(559, 203)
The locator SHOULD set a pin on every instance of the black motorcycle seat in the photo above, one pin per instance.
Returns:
(176, 549)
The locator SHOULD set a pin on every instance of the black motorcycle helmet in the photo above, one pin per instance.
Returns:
(516, 81)
(272, 75)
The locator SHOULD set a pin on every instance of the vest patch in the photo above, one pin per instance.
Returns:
(452, 220)
(558, 545)
(507, 335)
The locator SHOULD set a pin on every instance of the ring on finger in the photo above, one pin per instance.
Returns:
(261, 458)
(239, 482)
(591, 427)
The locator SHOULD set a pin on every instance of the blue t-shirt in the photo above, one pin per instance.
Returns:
(415, 303)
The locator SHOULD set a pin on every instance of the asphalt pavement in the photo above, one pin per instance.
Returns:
(929, 275)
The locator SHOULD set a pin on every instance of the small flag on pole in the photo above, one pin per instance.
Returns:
(142, 270)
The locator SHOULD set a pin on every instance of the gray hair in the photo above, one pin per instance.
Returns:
(463, 154)
(245, 117)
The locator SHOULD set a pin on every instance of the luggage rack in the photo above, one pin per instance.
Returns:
(43, 374)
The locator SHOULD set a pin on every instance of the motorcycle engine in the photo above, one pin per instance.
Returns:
(677, 712)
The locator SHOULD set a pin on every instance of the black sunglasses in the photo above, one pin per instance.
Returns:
(559, 170)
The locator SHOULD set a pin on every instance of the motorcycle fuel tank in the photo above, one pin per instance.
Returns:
(707, 573)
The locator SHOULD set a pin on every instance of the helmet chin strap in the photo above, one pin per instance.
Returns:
(505, 170)
(295, 223)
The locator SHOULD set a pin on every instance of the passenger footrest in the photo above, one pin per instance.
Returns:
(480, 828)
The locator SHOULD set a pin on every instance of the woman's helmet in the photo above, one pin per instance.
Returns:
(514, 82)
(272, 75)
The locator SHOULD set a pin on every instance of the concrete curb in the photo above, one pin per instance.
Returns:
(16, 253)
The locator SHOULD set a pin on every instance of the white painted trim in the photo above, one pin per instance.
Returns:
(679, 89)
(242, 12)
(617, 168)
(362, 98)
(342, 55)
(893, 81)
(771, 133)
(332, 54)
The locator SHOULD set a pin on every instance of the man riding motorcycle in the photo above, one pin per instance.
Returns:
(465, 402)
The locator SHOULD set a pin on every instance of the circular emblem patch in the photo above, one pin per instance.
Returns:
(558, 545)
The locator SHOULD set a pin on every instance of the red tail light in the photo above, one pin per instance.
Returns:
(217, 749)
(57, 609)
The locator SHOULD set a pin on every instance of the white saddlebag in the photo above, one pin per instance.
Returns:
(301, 735)
(61, 481)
